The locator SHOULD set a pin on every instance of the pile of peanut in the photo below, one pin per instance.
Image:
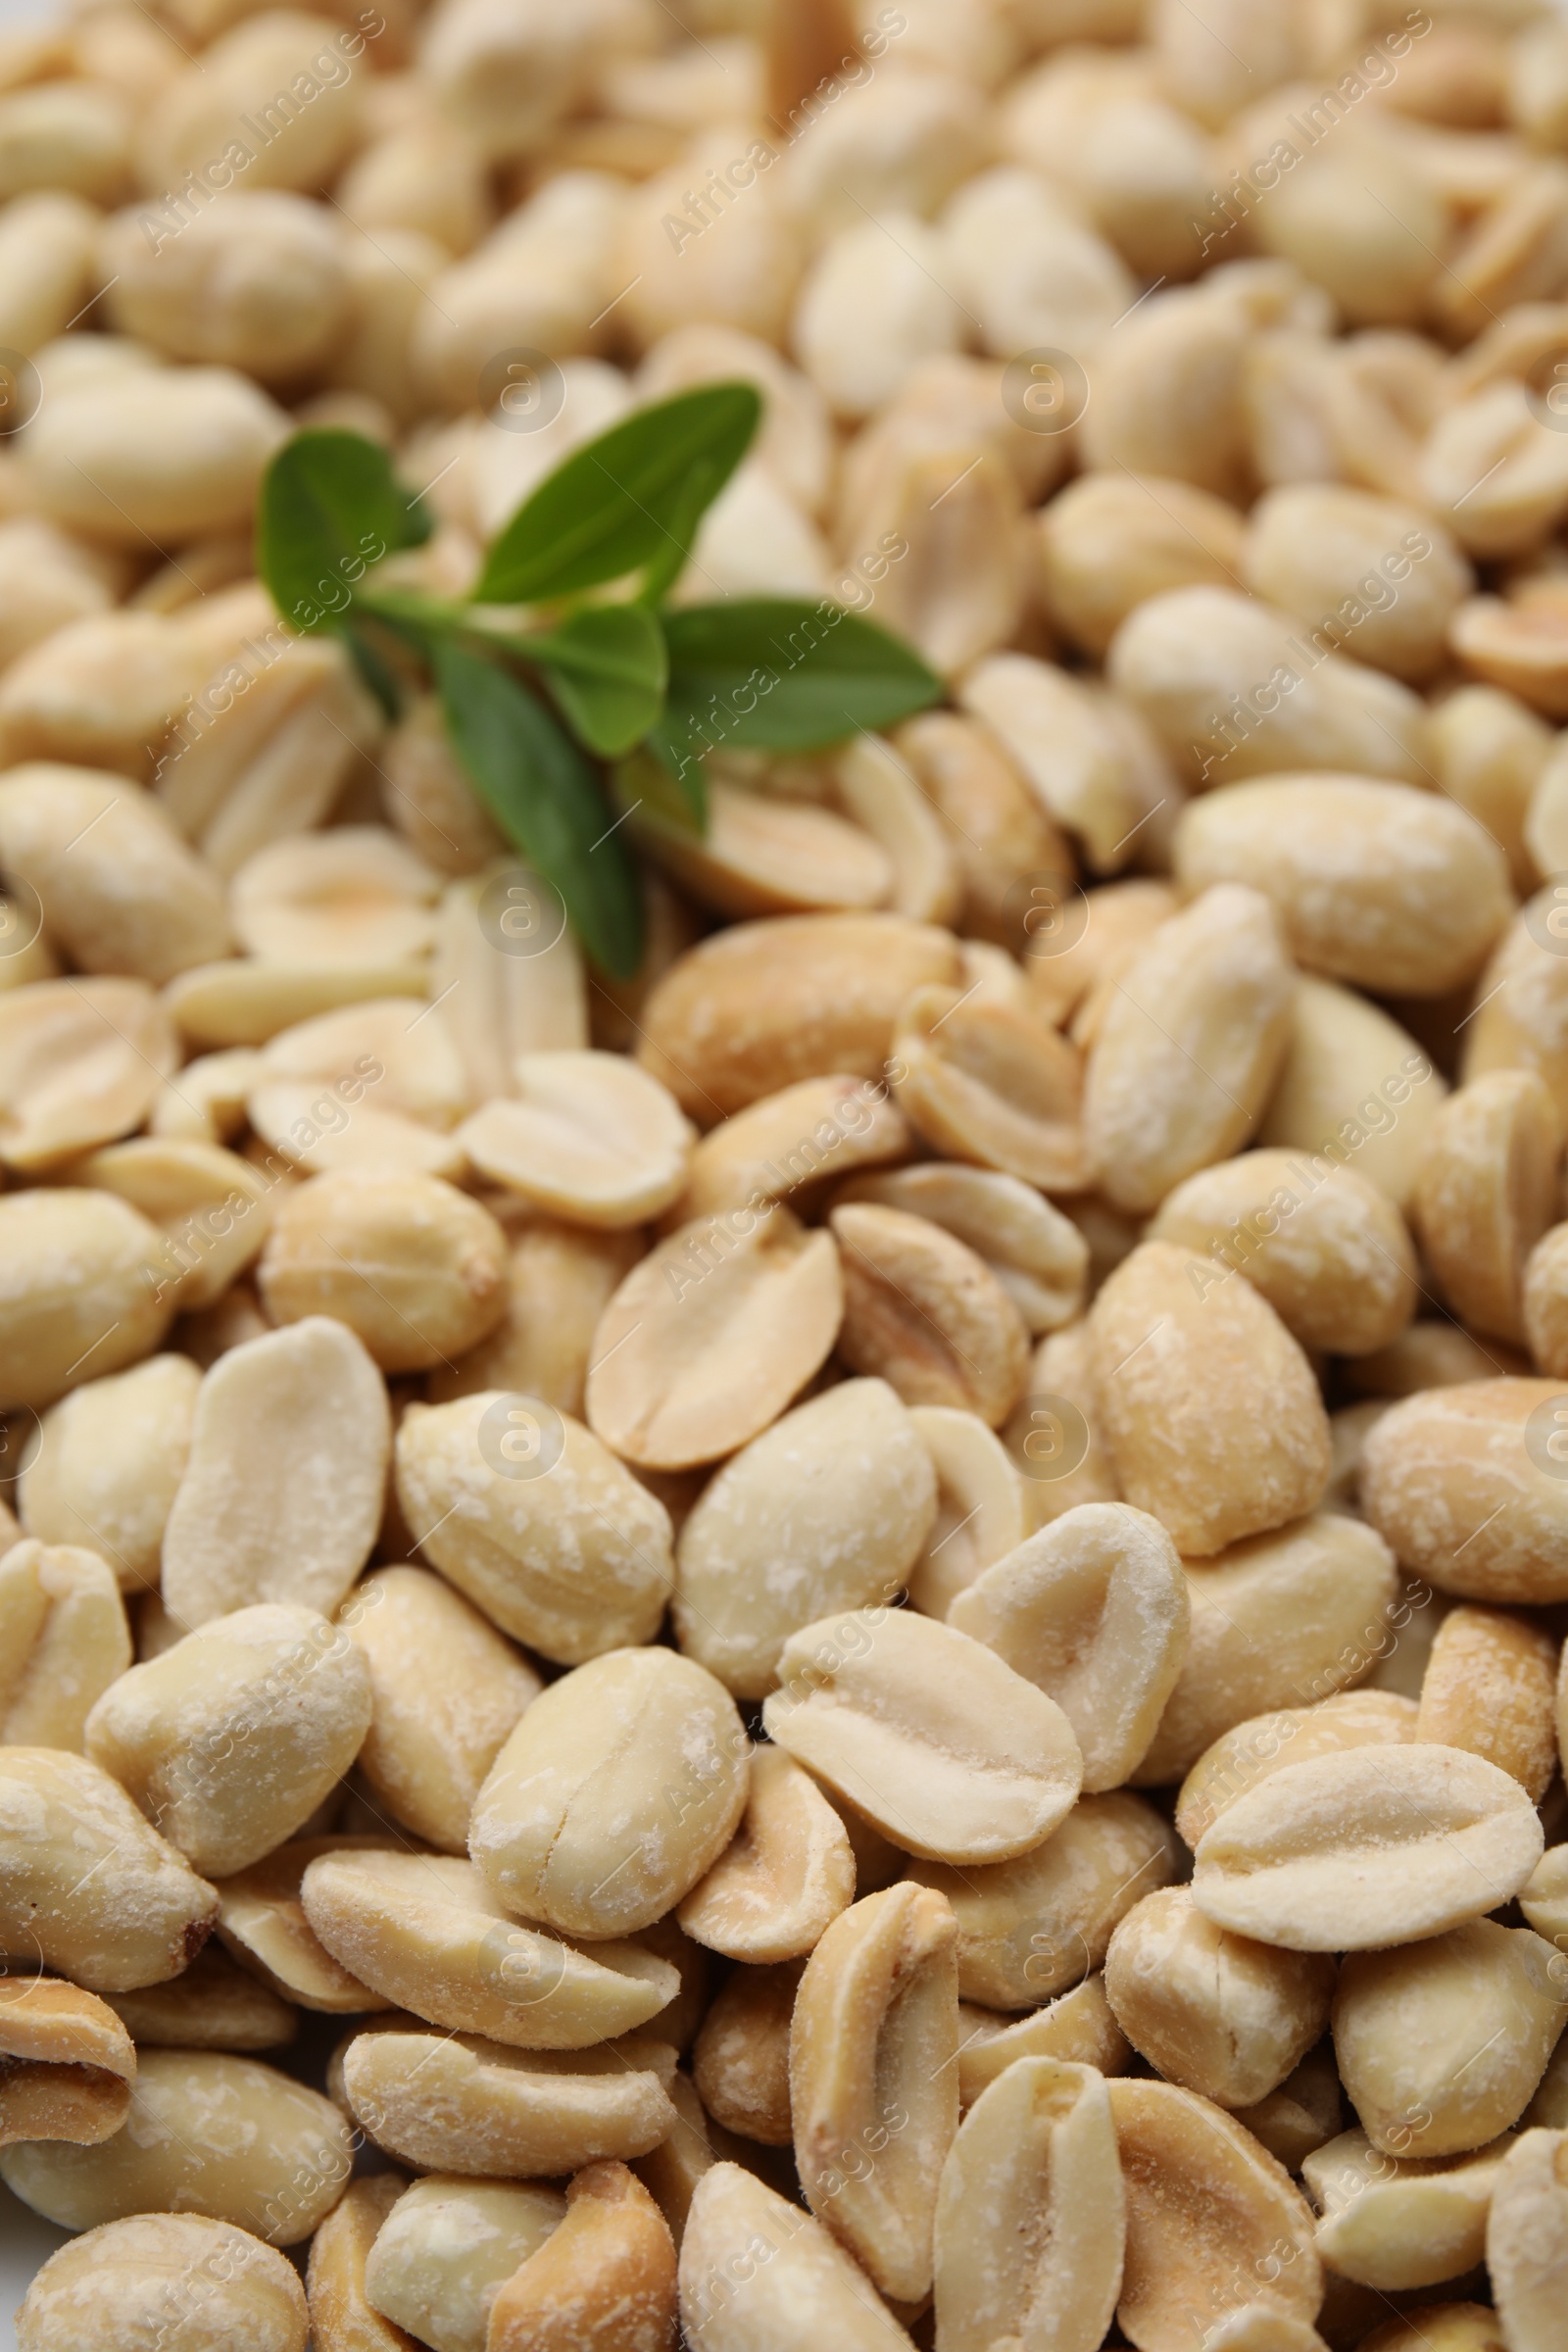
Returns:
(861, 1638)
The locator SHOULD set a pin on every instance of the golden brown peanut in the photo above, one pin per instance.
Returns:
(1544, 1323)
(1445, 2327)
(211, 2005)
(1250, 1751)
(341, 2319)
(559, 1279)
(951, 1753)
(1468, 1489)
(425, 1932)
(1110, 542)
(208, 2133)
(408, 1263)
(1491, 1686)
(1333, 1259)
(1030, 2217)
(261, 1921)
(1372, 882)
(129, 896)
(990, 1082)
(65, 2063)
(926, 1313)
(454, 2103)
(1188, 1048)
(282, 1491)
(997, 831)
(214, 2283)
(1211, 1413)
(819, 1128)
(763, 1005)
(1394, 2226)
(1487, 1192)
(873, 2050)
(1347, 1851)
(981, 1509)
(229, 1741)
(535, 1522)
(1355, 1085)
(618, 1789)
(445, 1692)
(87, 1882)
(62, 1640)
(828, 1509)
(741, 2057)
(446, 2248)
(1181, 2157)
(1077, 2028)
(1527, 2237)
(1441, 2043)
(1219, 2012)
(80, 1062)
(1094, 1611)
(1031, 1927)
(606, 2277)
(757, 2274)
(110, 1458)
(786, 1874)
(1517, 1017)
(593, 1139)
(711, 1336)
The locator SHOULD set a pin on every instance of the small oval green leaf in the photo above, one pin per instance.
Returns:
(783, 675)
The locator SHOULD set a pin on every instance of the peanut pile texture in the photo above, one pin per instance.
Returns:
(783, 1230)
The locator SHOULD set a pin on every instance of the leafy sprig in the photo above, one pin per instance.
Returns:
(595, 668)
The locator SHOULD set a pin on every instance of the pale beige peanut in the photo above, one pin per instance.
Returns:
(1077, 2028)
(88, 1882)
(1071, 955)
(991, 1083)
(1178, 2153)
(504, 1002)
(282, 1491)
(951, 1753)
(535, 1522)
(997, 831)
(1045, 1442)
(1441, 2043)
(1354, 1086)
(1332, 1257)
(591, 1138)
(1250, 1750)
(873, 2042)
(1212, 1416)
(1036, 1926)
(110, 1458)
(1448, 2327)
(618, 1789)
(1030, 2220)
(981, 1513)
(63, 1641)
(1544, 1897)
(429, 800)
(1393, 2224)
(741, 2056)
(210, 1207)
(129, 896)
(1373, 882)
(1036, 1252)
(1096, 770)
(763, 1005)
(765, 854)
(814, 1130)
(757, 2274)
(404, 1061)
(261, 1920)
(1188, 1048)
(924, 1311)
(1487, 1192)
(444, 1691)
(671, 2173)
(1491, 1686)
(1371, 571)
(243, 1002)
(1527, 2238)
(1220, 2014)
(1517, 1024)
(605, 2275)
(208, 2133)
(1345, 1851)
(194, 117)
(165, 453)
(425, 1933)
(1488, 753)
(411, 1266)
(1448, 1479)
(353, 895)
(459, 2103)
(341, 2319)
(447, 2246)
(1303, 2114)
(1094, 1610)
(215, 2004)
(80, 1062)
(559, 1279)
(784, 1878)
(710, 1336)
(68, 2063)
(230, 1739)
(1110, 541)
(828, 1509)
(217, 2283)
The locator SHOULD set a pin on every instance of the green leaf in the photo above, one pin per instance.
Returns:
(376, 673)
(681, 764)
(702, 486)
(783, 675)
(608, 669)
(330, 507)
(620, 502)
(546, 799)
